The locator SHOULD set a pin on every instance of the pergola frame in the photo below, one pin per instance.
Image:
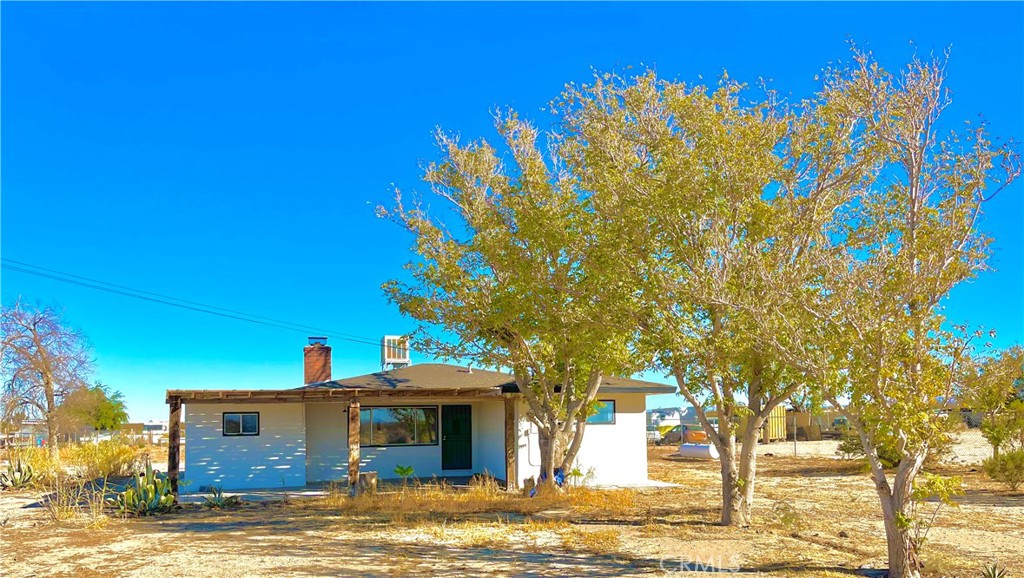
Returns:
(175, 399)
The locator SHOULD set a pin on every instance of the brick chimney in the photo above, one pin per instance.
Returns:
(317, 360)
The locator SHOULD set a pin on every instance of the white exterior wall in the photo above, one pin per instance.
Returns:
(326, 442)
(308, 442)
(615, 453)
(327, 447)
(275, 458)
(489, 445)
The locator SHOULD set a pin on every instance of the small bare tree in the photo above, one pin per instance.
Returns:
(43, 360)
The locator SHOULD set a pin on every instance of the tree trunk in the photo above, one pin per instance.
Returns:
(548, 444)
(738, 474)
(747, 474)
(51, 420)
(735, 509)
(902, 552)
(573, 447)
(902, 549)
(51, 436)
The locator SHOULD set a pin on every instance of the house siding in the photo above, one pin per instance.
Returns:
(613, 454)
(275, 458)
(326, 442)
(303, 443)
(327, 447)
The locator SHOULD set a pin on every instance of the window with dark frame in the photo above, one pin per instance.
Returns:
(605, 413)
(241, 423)
(398, 426)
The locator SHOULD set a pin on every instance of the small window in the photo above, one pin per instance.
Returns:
(242, 424)
(605, 413)
(398, 426)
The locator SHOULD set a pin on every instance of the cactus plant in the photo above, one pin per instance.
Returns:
(993, 571)
(150, 495)
(217, 499)
(18, 475)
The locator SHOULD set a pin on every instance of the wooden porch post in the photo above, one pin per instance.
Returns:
(174, 443)
(511, 444)
(353, 446)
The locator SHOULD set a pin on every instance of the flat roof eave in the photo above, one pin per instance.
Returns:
(326, 394)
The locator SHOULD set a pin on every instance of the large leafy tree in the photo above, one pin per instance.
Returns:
(723, 206)
(907, 240)
(97, 407)
(43, 360)
(513, 272)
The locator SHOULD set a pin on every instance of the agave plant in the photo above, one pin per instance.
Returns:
(993, 571)
(18, 475)
(217, 499)
(150, 495)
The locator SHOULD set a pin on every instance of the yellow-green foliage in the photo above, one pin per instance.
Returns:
(42, 463)
(1007, 468)
(110, 458)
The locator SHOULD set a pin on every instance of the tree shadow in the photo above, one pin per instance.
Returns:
(250, 533)
(983, 497)
(787, 567)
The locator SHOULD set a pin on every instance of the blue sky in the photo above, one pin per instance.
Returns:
(232, 154)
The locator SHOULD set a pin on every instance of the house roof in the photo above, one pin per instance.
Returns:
(438, 376)
(436, 379)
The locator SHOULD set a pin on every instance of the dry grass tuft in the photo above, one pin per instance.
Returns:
(438, 499)
(620, 501)
(602, 541)
(500, 533)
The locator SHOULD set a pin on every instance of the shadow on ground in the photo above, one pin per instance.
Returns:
(984, 497)
(308, 537)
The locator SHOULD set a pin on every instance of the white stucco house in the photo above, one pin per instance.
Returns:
(443, 420)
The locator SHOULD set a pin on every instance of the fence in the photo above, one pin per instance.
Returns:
(969, 448)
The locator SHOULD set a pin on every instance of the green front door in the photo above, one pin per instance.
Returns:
(456, 437)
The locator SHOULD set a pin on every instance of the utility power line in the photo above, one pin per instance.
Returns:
(28, 268)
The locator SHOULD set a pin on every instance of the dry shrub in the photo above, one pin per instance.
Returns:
(785, 517)
(108, 458)
(75, 500)
(1006, 468)
(45, 466)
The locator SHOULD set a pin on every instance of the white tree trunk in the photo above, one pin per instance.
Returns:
(901, 550)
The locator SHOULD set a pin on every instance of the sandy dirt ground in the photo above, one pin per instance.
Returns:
(816, 517)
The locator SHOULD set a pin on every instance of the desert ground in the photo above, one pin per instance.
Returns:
(816, 517)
